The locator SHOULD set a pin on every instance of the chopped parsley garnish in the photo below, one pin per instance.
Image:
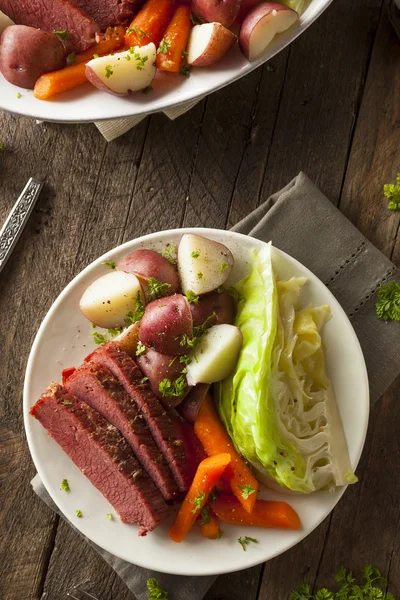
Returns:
(137, 314)
(147, 89)
(237, 296)
(184, 54)
(78, 513)
(199, 275)
(110, 263)
(388, 304)
(245, 541)
(213, 495)
(194, 19)
(71, 58)
(144, 379)
(2, 147)
(65, 485)
(109, 71)
(370, 589)
(63, 35)
(199, 330)
(173, 388)
(19, 95)
(127, 57)
(164, 46)
(195, 254)
(186, 360)
(66, 402)
(185, 71)
(392, 193)
(95, 56)
(198, 502)
(172, 361)
(109, 516)
(114, 331)
(189, 342)
(223, 266)
(99, 338)
(168, 254)
(247, 490)
(192, 297)
(157, 289)
(155, 591)
(140, 349)
(205, 515)
(141, 60)
(137, 31)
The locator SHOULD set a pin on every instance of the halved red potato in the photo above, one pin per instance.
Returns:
(148, 263)
(208, 43)
(214, 309)
(220, 11)
(261, 24)
(158, 367)
(165, 325)
(123, 72)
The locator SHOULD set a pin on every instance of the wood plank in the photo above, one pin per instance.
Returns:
(241, 585)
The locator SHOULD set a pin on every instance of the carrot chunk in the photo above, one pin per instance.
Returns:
(265, 513)
(208, 472)
(215, 439)
(172, 46)
(113, 39)
(209, 525)
(150, 23)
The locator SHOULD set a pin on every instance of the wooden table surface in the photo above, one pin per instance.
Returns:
(328, 105)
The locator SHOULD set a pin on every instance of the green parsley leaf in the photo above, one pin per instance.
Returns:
(223, 266)
(213, 495)
(110, 517)
(66, 402)
(192, 297)
(19, 95)
(137, 314)
(184, 54)
(237, 296)
(185, 71)
(245, 541)
(388, 304)
(78, 513)
(147, 89)
(157, 289)
(140, 349)
(65, 485)
(155, 591)
(138, 31)
(189, 342)
(392, 193)
(199, 330)
(164, 46)
(198, 502)
(141, 60)
(199, 275)
(195, 254)
(186, 360)
(63, 35)
(173, 388)
(114, 331)
(109, 263)
(205, 515)
(144, 379)
(247, 490)
(109, 71)
(99, 338)
(2, 148)
(168, 253)
(71, 58)
(95, 56)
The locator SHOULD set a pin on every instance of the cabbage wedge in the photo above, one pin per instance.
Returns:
(278, 406)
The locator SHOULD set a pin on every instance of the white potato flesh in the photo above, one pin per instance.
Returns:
(203, 265)
(216, 355)
(109, 298)
(4, 21)
(208, 43)
(261, 25)
(124, 72)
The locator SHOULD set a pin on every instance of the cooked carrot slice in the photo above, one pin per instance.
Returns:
(215, 439)
(172, 46)
(208, 472)
(150, 23)
(265, 513)
(209, 525)
(114, 39)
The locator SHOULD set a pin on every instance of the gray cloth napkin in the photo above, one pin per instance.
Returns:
(301, 221)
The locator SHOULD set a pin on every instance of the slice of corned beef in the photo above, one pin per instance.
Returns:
(163, 425)
(95, 385)
(54, 15)
(110, 12)
(103, 456)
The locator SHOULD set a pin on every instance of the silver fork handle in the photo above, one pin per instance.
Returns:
(17, 219)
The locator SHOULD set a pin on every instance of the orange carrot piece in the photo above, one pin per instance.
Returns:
(208, 472)
(174, 42)
(215, 439)
(210, 527)
(53, 83)
(150, 23)
(265, 513)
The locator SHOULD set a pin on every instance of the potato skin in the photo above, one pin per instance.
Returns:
(219, 11)
(148, 263)
(157, 367)
(26, 53)
(164, 323)
(223, 305)
(220, 42)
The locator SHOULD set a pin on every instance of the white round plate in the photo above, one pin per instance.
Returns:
(85, 103)
(64, 339)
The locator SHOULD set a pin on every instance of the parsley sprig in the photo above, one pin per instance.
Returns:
(65, 486)
(205, 515)
(110, 263)
(370, 589)
(135, 315)
(247, 490)
(198, 502)
(245, 541)
(191, 297)
(388, 303)
(175, 388)
(169, 253)
(392, 193)
(157, 289)
(155, 591)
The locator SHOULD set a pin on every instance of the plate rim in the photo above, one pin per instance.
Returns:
(29, 370)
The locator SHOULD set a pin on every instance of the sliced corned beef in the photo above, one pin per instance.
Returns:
(95, 385)
(54, 15)
(102, 454)
(163, 425)
(110, 12)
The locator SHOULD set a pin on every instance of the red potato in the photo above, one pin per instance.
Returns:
(26, 53)
(208, 43)
(223, 305)
(245, 8)
(148, 263)
(190, 406)
(260, 26)
(164, 323)
(128, 339)
(219, 11)
(158, 367)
